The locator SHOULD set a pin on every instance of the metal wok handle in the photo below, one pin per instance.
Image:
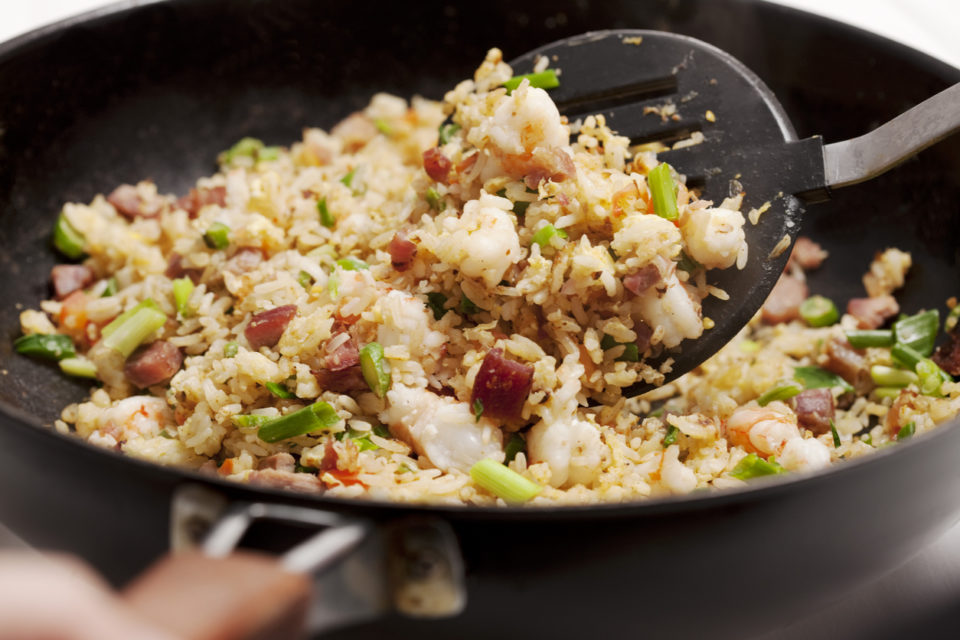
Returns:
(349, 571)
(852, 161)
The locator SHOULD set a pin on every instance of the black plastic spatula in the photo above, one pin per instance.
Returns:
(630, 75)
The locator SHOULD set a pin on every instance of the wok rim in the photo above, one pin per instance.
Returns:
(699, 500)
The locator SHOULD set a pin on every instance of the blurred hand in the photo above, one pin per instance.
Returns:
(57, 597)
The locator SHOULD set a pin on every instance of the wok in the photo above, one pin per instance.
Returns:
(156, 90)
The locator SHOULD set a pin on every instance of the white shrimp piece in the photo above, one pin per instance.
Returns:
(674, 307)
(136, 417)
(714, 237)
(441, 429)
(483, 242)
(571, 448)
(676, 477)
(525, 120)
(804, 454)
(762, 430)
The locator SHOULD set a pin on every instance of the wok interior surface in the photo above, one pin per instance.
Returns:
(158, 90)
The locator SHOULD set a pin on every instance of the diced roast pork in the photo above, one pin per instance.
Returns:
(68, 278)
(266, 327)
(501, 386)
(871, 313)
(815, 409)
(783, 303)
(153, 364)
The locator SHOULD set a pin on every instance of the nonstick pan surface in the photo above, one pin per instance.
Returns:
(157, 90)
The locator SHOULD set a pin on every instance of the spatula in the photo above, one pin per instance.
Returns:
(629, 76)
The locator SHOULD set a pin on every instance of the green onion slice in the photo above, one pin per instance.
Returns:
(503, 482)
(817, 378)
(467, 306)
(447, 131)
(546, 79)
(672, 434)
(318, 415)
(304, 279)
(231, 349)
(546, 233)
(134, 330)
(887, 392)
(434, 199)
(182, 288)
(436, 302)
(818, 311)
(279, 390)
(906, 431)
(111, 288)
(251, 421)
(268, 154)
(753, 466)
(889, 377)
(930, 376)
(477, 409)
(126, 315)
(514, 445)
(248, 147)
(347, 180)
(918, 331)
(835, 434)
(326, 218)
(663, 192)
(373, 366)
(352, 264)
(79, 367)
(863, 338)
(67, 239)
(783, 392)
(217, 236)
(50, 346)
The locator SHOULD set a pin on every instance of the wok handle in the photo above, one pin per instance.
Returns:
(241, 596)
(852, 161)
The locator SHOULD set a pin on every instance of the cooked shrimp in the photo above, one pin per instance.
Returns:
(714, 237)
(672, 307)
(441, 429)
(571, 447)
(136, 416)
(762, 430)
(802, 454)
(523, 121)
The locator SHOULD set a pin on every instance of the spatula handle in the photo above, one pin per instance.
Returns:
(852, 161)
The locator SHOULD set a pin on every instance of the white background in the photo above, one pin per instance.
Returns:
(932, 578)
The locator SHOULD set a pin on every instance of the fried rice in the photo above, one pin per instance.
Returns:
(441, 299)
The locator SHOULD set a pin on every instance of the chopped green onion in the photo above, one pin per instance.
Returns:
(126, 315)
(50, 346)
(918, 331)
(182, 288)
(835, 434)
(686, 263)
(347, 180)
(749, 346)
(753, 466)
(231, 349)
(248, 147)
(631, 353)
(279, 390)
(129, 335)
(383, 126)
(352, 264)
(546, 233)
(931, 377)
(268, 154)
(907, 430)
(67, 239)
(333, 284)
(514, 445)
(863, 338)
(299, 468)
(110, 289)
(783, 392)
(952, 317)
(477, 409)
(663, 192)
(817, 378)
(326, 218)
(434, 199)
(79, 367)
(887, 392)
(436, 302)
(447, 131)
(818, 311)
(374, 370)
(250, 421)
(467, 306)
(672, 434)
(318, 415)
(217, 236)
(503, 482)
(520, 208)
(304, 279)
(608, 342)
(905, 356)
(546, 79)
(889, 377)
(360, 438)
(166, 435)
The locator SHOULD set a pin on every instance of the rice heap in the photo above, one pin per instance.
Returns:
(440, 304)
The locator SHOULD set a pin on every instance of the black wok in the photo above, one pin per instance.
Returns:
(157, 90)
